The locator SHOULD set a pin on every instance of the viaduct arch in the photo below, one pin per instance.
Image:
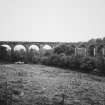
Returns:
(28, 45)
(13, 46)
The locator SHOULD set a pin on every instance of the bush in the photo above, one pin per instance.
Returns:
(35, 59)
(44, 60)
(66, 49)
(87, 64)
(62, 60)
(55, 60)
(100, 64)
(73, 62)
(48, 52)
(4, 55)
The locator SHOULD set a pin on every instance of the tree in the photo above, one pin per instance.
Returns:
(3, 53)
(33, 56)
(19, 55)
(92, 41)
(99, 41)
(91, 50)
(104, 40)
(66, 49)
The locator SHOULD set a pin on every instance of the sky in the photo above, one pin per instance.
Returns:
(52, 20)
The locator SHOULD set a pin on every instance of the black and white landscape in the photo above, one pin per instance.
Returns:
(52, 52)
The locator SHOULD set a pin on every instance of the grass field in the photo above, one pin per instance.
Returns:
(26, 84)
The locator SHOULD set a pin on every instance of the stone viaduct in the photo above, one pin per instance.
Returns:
(26, 44)
(79, 49)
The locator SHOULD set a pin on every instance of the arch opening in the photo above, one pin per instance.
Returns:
(8, 48)
(47, 47)
(46, 50)
(33, 48)
(92, 50)
(33, 53)
(81, 51)
(19, 48)
(19, 53)
(5, 52)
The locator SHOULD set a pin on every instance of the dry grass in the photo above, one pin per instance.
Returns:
(42, 85)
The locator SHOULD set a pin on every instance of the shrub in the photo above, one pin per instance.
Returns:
(61, 60)
(4, 55)
(66, 49)
(48, 52)
(87, 64)
(54, 60)
(81, 63)
(33, 56)
(44, 60)
(73, 62)
(100, 64)
(35, 59)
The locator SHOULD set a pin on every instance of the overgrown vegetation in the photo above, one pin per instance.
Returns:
(4, 55)
(64, 57)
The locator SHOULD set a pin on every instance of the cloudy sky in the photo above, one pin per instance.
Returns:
(52, 20)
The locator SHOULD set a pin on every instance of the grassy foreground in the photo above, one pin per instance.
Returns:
(26, 84)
